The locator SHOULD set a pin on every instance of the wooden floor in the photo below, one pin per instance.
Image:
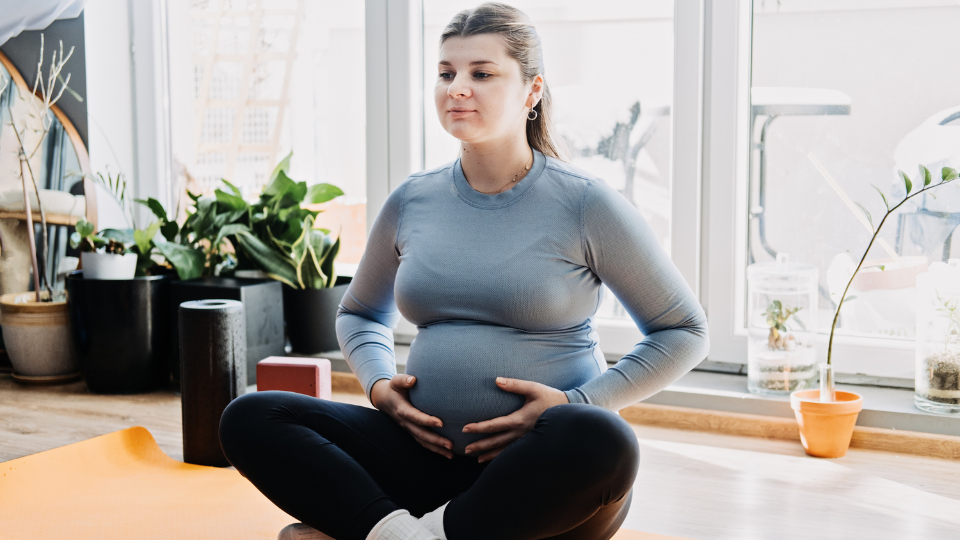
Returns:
(691, 484)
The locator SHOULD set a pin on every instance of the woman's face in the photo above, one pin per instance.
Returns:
(480, 94)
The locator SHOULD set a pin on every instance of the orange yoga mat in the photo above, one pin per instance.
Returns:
(121, 486)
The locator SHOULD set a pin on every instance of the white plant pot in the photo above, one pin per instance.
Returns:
(109, 265)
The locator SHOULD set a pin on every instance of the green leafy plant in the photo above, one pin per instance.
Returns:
(947, 175)
(90, 241)
(275, 234)
(777, 317)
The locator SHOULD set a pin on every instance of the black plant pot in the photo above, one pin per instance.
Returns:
(121, 331)
(311, 316)
(262, 306)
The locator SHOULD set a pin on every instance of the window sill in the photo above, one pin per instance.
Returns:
(883, 407)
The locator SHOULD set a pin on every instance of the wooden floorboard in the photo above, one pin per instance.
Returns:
(692, 483)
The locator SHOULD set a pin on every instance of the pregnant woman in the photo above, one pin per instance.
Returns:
(504, 425)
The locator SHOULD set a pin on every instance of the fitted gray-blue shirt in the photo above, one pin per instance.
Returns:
(508, 285)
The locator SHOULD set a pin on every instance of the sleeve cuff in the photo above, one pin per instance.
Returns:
(573, 396)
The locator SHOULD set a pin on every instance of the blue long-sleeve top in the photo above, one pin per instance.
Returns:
(508, 285)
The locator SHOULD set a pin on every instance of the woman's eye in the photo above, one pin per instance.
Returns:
(481, 75)
(445, 74)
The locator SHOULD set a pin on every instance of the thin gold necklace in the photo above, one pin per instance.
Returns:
(526, 168)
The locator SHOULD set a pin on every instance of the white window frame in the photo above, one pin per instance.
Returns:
(726, 102)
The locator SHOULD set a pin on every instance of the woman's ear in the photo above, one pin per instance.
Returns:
(536, 91)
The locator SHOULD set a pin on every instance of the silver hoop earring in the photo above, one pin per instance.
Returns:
(535, 114)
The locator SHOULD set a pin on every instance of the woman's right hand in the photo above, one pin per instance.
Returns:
(392, 397)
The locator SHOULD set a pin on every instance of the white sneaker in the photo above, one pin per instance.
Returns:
(299, 531)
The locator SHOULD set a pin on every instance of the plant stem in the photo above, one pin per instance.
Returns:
(876, 233)
(33, 246)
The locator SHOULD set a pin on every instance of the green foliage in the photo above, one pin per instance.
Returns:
(274, 234)
(87, 240)
(171, 246)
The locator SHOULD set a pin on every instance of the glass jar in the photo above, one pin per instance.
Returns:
(938, 339)
(782, 325)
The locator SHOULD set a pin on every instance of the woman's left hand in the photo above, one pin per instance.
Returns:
(540, 397)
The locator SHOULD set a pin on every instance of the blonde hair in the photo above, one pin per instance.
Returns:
(523, 45)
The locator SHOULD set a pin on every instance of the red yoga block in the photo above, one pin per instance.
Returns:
(307, 376)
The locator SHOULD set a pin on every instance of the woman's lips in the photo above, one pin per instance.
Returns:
(459, 113)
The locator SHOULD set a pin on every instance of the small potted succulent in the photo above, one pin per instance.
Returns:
(102, 256)
(826, 417)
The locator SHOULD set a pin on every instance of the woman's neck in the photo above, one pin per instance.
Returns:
(489, 167)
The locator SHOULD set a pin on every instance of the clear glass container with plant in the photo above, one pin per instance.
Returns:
(938, 339)
(782, 314)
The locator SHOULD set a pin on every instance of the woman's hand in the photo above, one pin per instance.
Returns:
(392, 397)
(540, 397)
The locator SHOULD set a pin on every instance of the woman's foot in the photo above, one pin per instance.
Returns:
(299, 531)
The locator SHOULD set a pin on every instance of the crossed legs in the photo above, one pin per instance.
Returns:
(340, 468)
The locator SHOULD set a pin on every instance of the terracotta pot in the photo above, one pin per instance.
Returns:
(826, 428)
(37, 336)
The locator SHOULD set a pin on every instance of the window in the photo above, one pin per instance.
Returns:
(273, 77)
(828, 99)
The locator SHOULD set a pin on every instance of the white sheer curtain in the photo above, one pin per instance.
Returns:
(19, 15)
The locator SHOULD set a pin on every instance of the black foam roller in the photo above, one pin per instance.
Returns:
(213, 372)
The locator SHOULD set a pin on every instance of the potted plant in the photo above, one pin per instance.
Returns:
(826, 417)
(121, 328)
(221, 223)
(781, 356)
(311, 289)
(102, 257)
(35, 324)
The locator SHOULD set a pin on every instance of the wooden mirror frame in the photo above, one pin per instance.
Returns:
(83, 158)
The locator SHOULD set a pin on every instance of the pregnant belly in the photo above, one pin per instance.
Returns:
(456, 366)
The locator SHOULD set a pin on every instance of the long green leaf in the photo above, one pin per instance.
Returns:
(949, 174)
(230, 230)
(925, 175)
(866, 213)
(283, 166)
(882, 196)
(155, 206)
(327, 266)
(906, 181)
(279, 185)
(274, 263)
(144, 237)
(230, 201)
(232, 187)
(189, 262)
(321, 193)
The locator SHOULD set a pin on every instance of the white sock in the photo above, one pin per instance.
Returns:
(400, 525)
(434, 521)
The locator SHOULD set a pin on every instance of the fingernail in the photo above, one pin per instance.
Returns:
(465, 430)
(500, 380)
(409, 379)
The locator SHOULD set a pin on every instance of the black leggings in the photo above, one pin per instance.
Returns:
(341, 468)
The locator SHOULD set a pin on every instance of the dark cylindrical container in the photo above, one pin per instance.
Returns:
(121, 331)
(311, 316)
(213, 372)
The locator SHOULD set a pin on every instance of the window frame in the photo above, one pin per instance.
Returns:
(857, 360)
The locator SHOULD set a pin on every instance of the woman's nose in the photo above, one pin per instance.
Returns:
(457, 87)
